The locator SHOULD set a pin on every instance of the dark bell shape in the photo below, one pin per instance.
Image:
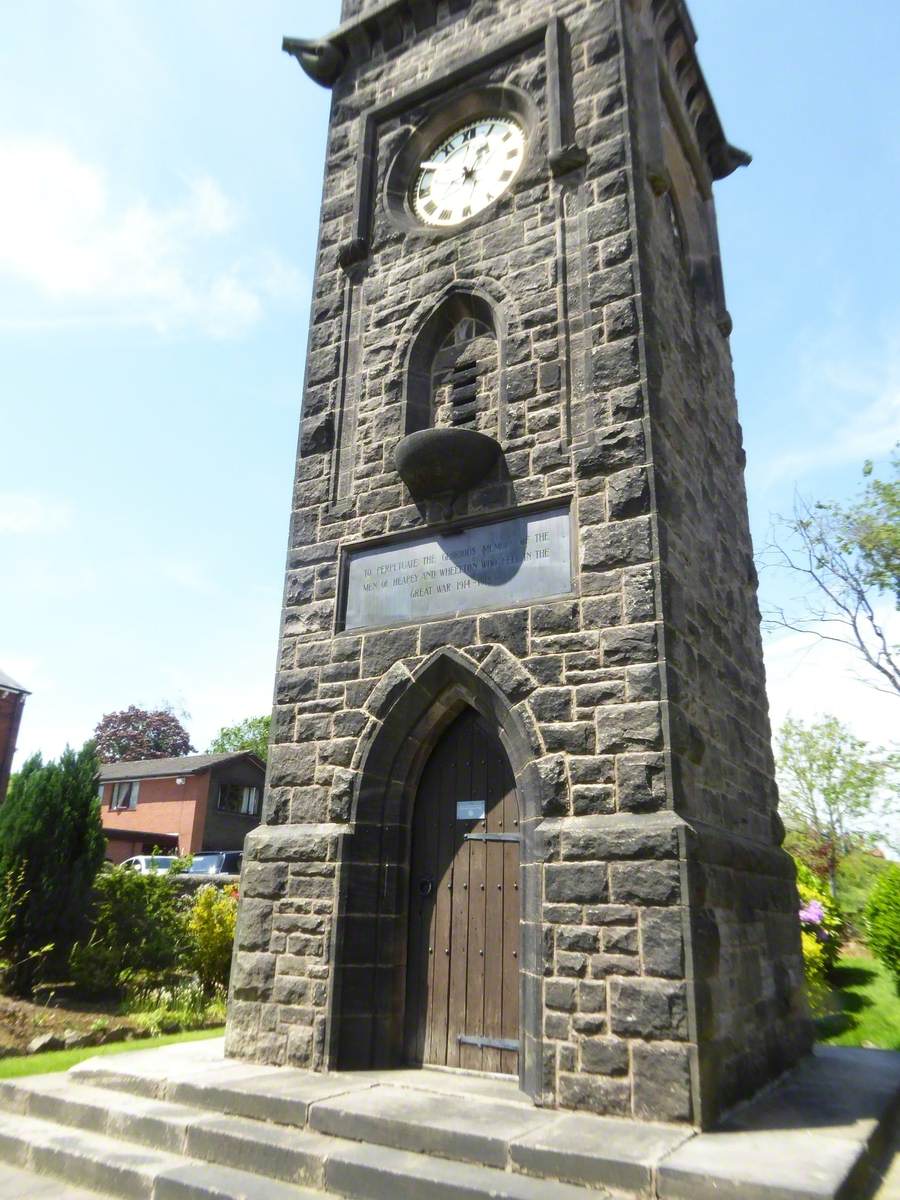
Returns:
(433, 462)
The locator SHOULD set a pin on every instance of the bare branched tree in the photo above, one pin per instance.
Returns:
(848, 557)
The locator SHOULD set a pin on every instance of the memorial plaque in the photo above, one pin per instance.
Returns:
(503, 562)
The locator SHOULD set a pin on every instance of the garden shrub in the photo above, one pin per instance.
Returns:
(138, 928)
(210, 929)
(820, 917)
(883, 920)
(173, 1006)
(814, 972)
(857, 874)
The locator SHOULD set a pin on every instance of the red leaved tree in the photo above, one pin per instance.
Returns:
(136, 733)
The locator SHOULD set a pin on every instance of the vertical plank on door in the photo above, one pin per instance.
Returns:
(459, 885)
(473, 1025)
(511, 909)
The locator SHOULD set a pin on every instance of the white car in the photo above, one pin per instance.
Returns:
(145, 863)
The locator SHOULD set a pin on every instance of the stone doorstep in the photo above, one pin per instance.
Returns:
(106, 1166)
(806, 1137)
(133, 1170)
(16, 1184)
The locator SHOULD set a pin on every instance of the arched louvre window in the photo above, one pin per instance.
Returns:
(453, 371)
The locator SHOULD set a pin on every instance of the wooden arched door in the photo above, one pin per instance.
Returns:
(462, 983)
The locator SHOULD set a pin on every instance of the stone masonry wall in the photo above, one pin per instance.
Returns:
(639, 739)
(745, 938)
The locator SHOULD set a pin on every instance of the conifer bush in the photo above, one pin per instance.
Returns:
(51, 847)
(883, 920)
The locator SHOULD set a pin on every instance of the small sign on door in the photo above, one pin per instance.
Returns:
(470, 810)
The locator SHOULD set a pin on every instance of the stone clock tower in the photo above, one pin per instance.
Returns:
(521, 814)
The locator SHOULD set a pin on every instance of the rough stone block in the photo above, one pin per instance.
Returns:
(662, 1082)
(625, 727)
(254, 926)
(266, 880)
(252, 975)
(595, 1093)
(645, 883)
(605, 1056)
(509, 629)
(648, 1008)
(621, 544)
(662, 943)
(641, 782)
(619, 838)
(584, 883)
(382, 650)
(551, 704)
(624, 645)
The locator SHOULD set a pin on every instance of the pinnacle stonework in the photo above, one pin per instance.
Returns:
(661, 975)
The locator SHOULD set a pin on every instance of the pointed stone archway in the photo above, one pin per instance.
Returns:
(368, 1009)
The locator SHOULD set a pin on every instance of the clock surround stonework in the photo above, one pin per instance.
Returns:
(582, 324)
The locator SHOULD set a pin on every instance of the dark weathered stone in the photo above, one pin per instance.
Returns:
(631, 704)
(605, 1056)
(648, 1008)
(662, 1085)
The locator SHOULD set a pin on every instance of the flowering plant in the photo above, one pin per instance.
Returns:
(812, 915)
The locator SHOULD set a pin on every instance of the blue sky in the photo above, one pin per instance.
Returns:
(162, 167)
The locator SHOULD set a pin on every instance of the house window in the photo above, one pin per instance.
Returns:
(124, 795)
(235, 798)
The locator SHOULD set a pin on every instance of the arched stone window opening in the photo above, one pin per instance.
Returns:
(453, 376)
(464, 376)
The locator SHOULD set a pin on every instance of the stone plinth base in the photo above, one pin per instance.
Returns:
(186, 1119)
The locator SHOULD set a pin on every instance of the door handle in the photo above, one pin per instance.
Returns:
(426, 887)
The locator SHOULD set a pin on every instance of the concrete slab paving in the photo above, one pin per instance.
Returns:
(751, 1165)
(451, 1082)
(470, 1129)
(16, 1184)
(597, 1151)
(810, 1136)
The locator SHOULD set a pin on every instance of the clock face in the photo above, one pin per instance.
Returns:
(468, 170)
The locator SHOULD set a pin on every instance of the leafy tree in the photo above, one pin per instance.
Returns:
(136, 733)
(250, 734)
(850, 555)
(829, 782)
(51, 848)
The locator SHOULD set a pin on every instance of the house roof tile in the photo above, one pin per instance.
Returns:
(188, 764)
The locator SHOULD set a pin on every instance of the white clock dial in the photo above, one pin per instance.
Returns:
(468, 170)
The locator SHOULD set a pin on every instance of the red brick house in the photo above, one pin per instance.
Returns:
(180, 805)
(12, 701)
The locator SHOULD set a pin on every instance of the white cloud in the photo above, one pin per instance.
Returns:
(849, 395)
(85, 256)
(32, 513)
(809, 678)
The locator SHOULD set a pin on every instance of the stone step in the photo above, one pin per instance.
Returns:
(107, 1165)
(16, 1184)
(174, 1135)
(465, 1118)
(422, 1133)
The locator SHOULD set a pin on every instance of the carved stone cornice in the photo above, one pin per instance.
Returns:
(676, 39)
(386, 25)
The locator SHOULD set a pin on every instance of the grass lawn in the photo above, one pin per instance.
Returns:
(61, 1060)
(865, 1004)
